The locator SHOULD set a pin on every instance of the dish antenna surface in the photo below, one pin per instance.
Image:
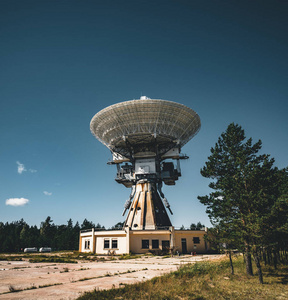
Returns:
(142, 134)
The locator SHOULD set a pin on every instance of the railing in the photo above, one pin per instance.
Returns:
(157, 228)
(85, 230)
(163, 228)
(188, 228)
(100, 229)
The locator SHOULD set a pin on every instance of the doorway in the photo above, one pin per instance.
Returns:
(184, 246)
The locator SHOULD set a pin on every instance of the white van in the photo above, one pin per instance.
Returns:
(45, 249)
(31, 250)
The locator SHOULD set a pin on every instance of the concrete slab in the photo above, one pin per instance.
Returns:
(68, 281)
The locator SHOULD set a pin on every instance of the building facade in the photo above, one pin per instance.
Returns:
(158, 241)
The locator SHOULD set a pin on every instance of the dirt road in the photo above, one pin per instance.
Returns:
(68, 281)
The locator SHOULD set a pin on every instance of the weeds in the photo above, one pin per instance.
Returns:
(69, 256)
(65, 270)
(203, 280)
(65, 257)
(83, 269)
(129, 256)
(47, 285)
(86, 278)
(10, 258)
(12, 289)
(55, 259)
(33, 287)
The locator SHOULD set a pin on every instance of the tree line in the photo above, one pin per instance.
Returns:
(16, 236)
(248, 205)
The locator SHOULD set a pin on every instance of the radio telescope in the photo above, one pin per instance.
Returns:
(145, 136)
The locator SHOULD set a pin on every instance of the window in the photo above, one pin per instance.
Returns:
(114, 244)
(196, 240)
(165, 245)
(145, 244)
(87, 244)
(106, 244)
(155, 244)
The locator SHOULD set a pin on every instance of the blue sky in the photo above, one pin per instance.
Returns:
(63, 61)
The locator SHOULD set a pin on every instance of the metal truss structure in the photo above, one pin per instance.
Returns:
(145, 124)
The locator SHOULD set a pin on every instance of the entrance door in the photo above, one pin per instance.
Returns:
(184, 246)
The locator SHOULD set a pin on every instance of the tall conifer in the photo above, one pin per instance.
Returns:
(245, 188)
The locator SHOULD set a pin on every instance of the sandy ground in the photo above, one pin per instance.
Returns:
(68, 281)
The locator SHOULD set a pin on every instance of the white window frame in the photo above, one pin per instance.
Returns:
(87, 244)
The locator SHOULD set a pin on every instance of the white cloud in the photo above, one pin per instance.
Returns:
(47, 193)
(21, 167)
(17, 201)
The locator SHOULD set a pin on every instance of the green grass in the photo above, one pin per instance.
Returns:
(70, 256)
(48, 285)
(129, 256)
(204, 280)
(64, 256)
(55, 259)
(12, 289)
(10, 258)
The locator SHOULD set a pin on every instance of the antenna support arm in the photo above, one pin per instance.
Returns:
(165, 201)
(128, 202)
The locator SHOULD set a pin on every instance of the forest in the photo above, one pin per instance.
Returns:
(16, 236)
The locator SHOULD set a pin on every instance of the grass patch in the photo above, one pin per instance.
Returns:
(18, 268)
(47, 285)
(107, 275)
(33, 287)
(10, 258)
(83, 269)
(55, 259)
(69, 255)
(129, 256)
(64, 256)
(204, 280)
(65, 270)
(86, 278)
(13, 289)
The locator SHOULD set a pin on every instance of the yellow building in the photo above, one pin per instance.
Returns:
(143, 241)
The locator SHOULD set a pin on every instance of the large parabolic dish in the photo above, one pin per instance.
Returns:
(145, 125)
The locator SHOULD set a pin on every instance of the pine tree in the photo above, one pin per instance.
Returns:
(246, 187)
(47, 233)
(87, 224)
